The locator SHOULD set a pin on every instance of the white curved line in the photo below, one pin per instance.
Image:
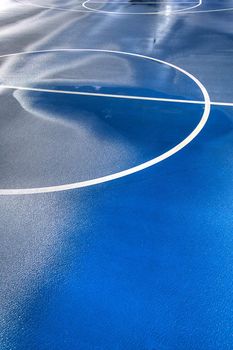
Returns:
(106, 2)
(175, 149)
(84, 11)
(141, 13)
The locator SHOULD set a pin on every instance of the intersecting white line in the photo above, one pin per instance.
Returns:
(127, 97)
(134, 169)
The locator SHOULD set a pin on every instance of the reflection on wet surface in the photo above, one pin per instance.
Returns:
(144, 262)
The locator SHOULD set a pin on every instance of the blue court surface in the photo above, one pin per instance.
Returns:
(116, 168)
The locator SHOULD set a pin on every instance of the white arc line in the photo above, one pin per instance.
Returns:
(140, 3)
(162, 12)
(135, 169)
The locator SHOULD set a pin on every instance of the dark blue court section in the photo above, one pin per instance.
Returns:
(144, 262)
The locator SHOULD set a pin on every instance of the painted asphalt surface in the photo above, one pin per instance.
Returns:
(145, 261)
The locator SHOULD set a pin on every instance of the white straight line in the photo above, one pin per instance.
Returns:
(126, 97)
(95, 94)
(227, 104)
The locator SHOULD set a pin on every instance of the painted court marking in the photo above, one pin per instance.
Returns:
(141, 2)
(21, 2)
(164, 12)
(127, 97)
(206, 102)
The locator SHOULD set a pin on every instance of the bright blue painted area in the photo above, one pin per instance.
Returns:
(141, 263)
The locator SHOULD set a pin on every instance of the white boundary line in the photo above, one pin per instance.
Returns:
(126, 97)
(226, 104)
(135, 169)
(138, 2)
(164, 12)
(85, 11)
